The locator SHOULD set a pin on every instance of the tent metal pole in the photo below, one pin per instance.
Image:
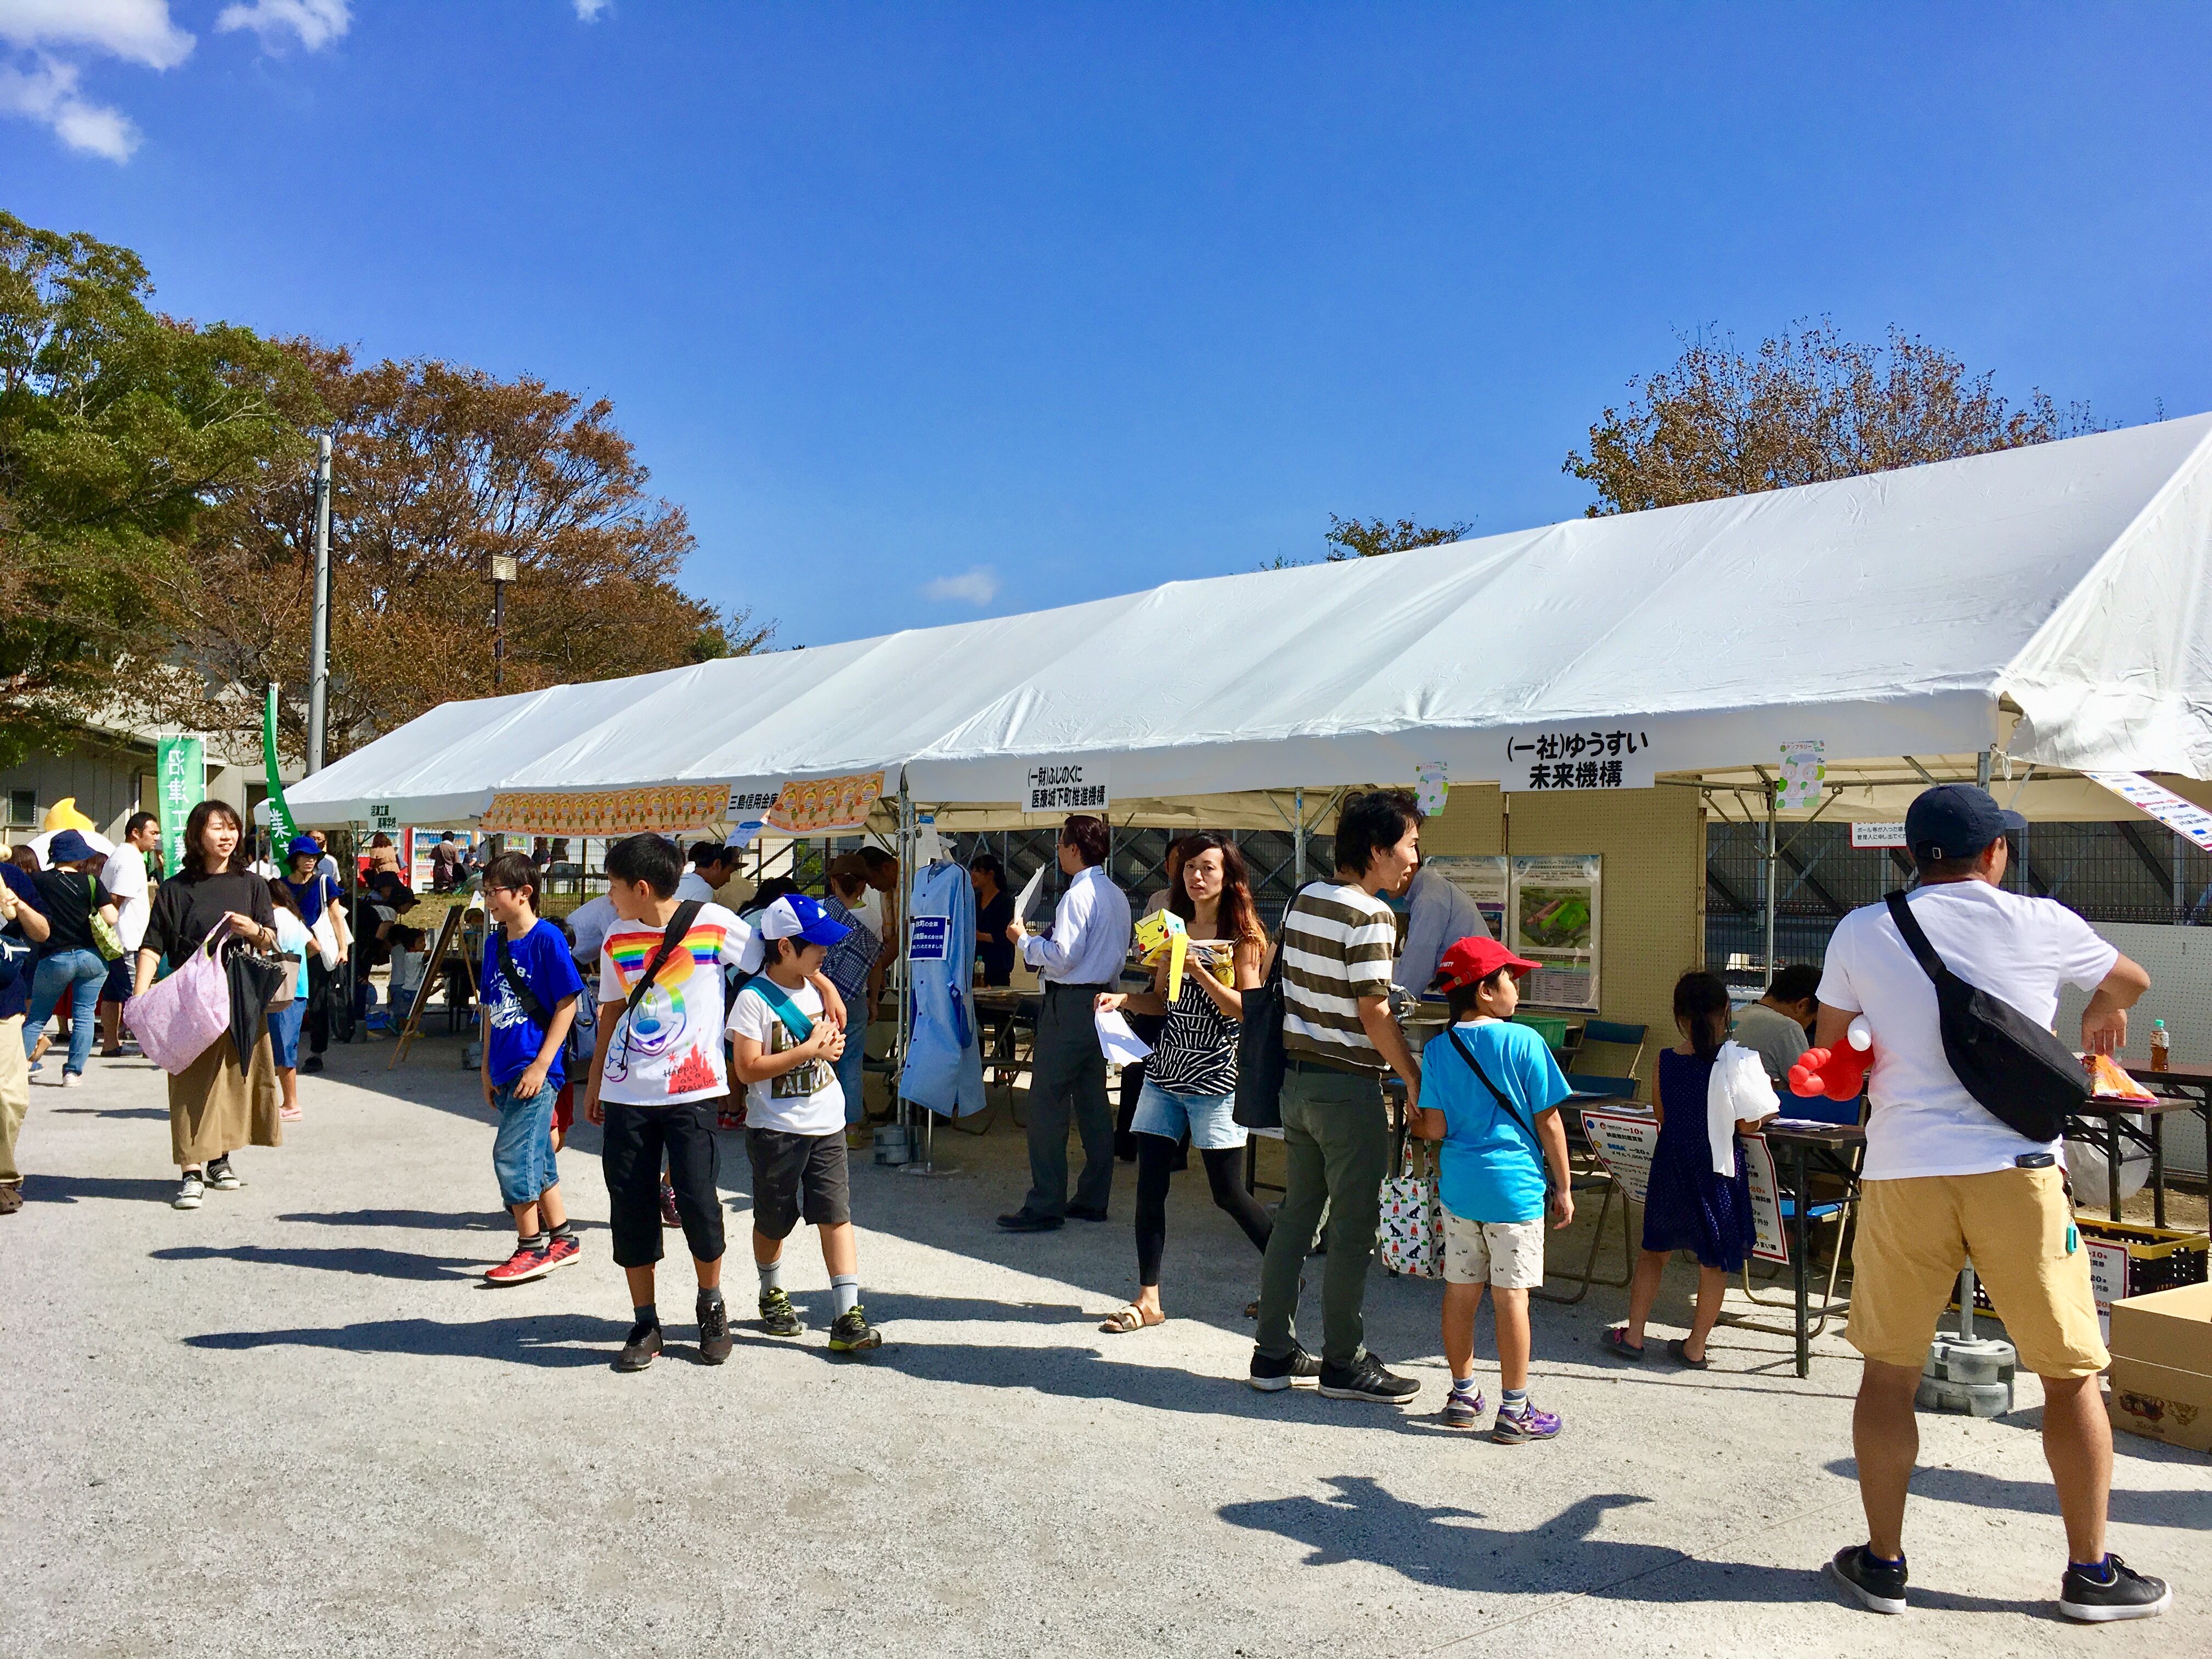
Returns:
(1298, 838)
(1770, 869)
(906, 949)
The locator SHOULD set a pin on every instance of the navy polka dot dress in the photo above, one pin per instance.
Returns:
(1690, 1207)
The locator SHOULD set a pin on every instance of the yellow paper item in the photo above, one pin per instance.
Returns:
(1160, 933)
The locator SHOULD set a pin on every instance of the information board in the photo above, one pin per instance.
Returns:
(1553, 909)
(1624, 1143)
(1485, 880)
(1770, 1240)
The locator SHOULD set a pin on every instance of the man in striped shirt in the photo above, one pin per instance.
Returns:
(1338, 1037)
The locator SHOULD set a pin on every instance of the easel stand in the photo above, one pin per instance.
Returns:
(432, 972)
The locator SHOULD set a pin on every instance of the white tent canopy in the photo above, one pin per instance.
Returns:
(2057, 593)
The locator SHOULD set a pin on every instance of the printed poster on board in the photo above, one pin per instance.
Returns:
(1554, 909)
(1624, 1142)
(1769, 1243)
(1485, 880)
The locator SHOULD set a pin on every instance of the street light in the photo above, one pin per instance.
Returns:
(502, 573)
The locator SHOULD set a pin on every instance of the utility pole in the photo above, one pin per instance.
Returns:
(503, 572)
(318, 666)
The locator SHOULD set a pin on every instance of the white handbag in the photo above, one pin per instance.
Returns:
(1411, 1233)
(326, 940)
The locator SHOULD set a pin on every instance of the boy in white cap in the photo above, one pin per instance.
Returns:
(785, 1052)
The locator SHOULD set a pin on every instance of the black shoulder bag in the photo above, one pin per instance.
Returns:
(1506, 1101)
(1259, 1043)
(2021, 1073)
(539, 1014)
(678, 924)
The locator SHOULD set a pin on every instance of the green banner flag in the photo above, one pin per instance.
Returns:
(180, 778)
(280, 827)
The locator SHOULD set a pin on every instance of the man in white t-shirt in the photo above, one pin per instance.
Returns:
(1945, 1178)
(786, 1053)
(124, 875)
(658, 1075)
(712, 864)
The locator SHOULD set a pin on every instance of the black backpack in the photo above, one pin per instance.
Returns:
(2022, 1074)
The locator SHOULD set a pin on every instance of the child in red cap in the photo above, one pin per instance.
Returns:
(1490, 1093)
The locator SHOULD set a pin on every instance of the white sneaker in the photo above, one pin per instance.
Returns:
(188, 1192)
(223, 1177)
(71, 1079)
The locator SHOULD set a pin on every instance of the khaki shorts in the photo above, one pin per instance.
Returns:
(1506, 1255)
(1915, 1234)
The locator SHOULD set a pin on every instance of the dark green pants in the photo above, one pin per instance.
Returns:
(1336, 1139)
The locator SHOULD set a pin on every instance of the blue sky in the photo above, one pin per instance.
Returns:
(925, 312)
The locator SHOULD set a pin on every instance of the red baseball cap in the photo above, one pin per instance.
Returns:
(1475, 959)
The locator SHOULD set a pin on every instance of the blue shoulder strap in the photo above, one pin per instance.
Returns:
(794, 1022)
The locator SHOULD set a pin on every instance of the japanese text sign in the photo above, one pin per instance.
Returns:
(1594, 757)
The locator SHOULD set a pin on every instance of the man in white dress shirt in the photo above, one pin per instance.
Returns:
(1089, 941)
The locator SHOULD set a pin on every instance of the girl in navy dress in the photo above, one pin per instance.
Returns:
(1689, 1205)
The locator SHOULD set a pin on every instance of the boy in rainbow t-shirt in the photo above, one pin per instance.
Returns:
(658, 1076)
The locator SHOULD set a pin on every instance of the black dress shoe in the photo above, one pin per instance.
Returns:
(1084, 1212)
(1024, 1221)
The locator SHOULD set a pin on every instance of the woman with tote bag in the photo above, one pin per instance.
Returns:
(216, 1105)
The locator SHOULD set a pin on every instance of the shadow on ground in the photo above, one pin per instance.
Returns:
(1442, 1547)
(2189, 1511)
(558, 1340)
(355, 1259)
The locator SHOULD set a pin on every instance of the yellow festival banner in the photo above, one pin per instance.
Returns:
(821, 806)
(671, 809)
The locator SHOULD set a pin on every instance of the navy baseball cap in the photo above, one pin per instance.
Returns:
(797, 916)
(1956, 821)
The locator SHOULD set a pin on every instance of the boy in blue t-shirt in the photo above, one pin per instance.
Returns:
(526, 1015)
(1498, 1138)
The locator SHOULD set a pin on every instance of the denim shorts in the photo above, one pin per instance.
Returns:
(1210, 1118)
(522, 1151)
(284, 1034)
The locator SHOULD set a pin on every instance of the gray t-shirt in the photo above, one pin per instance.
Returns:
(1776, 1038)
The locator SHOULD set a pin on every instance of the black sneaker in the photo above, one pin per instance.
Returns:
(1296, 1370)
(778, 1316)
(1084, 1212)
(312, 1063)
(715, 1338)
(1026, 1221)
(1365, 1379)
(852, 1333)
(2126, 1595)
(639, 1348)
(1877, 1586)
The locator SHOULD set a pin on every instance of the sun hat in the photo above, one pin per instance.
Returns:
(1474, 959)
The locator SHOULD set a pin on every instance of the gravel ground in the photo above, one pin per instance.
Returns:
(297, 1421)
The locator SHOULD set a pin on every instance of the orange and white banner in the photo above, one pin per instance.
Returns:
(822, 806)
(671, 809)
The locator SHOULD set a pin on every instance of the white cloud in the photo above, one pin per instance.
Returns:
(137, 31)
(588, 11)
(315, 22)
(49, 94)
(976, 586)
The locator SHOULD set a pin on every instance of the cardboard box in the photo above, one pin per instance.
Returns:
(2159, 1402)
(2171, 1328)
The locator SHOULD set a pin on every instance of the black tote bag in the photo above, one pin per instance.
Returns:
(1260, 1044)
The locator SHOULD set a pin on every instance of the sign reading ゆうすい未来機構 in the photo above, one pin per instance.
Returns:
(1594, 757)
(1065, 785)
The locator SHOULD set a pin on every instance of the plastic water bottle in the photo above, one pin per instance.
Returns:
(2158, 1045)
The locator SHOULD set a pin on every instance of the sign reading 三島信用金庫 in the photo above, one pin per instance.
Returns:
(2184, 817)
(1065, 785)
(1595, 756)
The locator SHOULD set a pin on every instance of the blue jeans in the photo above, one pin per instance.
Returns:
(522, 1150)
(850, 1077)
(77, 975)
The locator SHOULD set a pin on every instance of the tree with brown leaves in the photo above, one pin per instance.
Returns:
(1807, 407)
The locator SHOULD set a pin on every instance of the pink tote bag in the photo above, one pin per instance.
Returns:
(176, 1020)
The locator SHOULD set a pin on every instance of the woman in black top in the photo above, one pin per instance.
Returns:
(1190, 1080)
(69, 964)
(215, 1106)
(994, 914)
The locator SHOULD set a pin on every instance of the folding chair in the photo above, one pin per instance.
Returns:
(1835, 1210)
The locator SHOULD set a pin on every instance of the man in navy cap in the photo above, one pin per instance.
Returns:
(1945, 1178)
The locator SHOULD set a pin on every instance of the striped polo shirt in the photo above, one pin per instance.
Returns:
(1337, 944)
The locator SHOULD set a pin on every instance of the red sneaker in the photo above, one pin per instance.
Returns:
(561, 1252)
(523, 1264)
(668, 1215)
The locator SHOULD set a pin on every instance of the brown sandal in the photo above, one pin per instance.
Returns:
(1124, 1320)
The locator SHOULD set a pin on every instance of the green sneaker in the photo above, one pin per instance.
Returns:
(778, 1316)
(852, 1333)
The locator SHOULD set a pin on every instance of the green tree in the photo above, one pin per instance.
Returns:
(119, 427)
(1807, 407)
(1366, 538)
